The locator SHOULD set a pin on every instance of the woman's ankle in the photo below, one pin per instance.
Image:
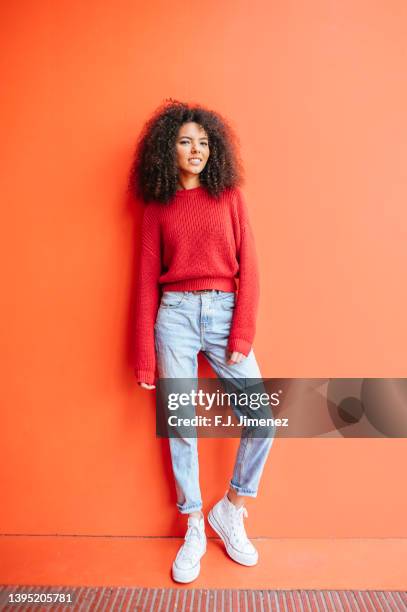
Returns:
(196, 514)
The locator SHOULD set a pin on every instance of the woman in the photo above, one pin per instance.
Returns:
(196, 240)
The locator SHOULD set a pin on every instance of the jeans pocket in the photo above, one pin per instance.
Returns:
(228, 302)
(172, 299)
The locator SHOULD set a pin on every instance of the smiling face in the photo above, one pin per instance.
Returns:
(192, 149)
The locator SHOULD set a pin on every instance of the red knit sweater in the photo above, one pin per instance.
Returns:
(195, 242)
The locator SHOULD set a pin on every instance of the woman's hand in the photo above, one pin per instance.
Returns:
(146, 386)
(235, 357)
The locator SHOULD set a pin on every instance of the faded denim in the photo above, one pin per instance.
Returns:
(186, 324)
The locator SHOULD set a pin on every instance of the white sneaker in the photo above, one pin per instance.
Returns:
(187, 564)
(227, 521)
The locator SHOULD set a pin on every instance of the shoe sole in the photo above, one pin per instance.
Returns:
(184, 578)
(183, 575)
(231, 552)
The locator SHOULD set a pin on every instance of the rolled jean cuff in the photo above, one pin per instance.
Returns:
(243, 490)
(186, 509)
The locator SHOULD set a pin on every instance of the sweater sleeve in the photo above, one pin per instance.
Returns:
(147, 296)
(243, 327)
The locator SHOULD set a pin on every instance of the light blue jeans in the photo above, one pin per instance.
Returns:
(186, 324)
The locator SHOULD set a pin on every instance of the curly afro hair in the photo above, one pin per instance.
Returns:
(154, 172)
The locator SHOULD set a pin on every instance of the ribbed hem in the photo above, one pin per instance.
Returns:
(193, 284)
(146, 376)
(241, 346)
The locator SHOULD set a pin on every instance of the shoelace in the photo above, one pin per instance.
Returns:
(189, 549)
(238, 529)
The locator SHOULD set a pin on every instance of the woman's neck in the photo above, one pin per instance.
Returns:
(188, 185)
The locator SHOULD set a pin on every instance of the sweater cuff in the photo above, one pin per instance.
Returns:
(241, 346)
(145, 376)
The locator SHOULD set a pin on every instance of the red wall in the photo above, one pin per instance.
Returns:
(317, 93)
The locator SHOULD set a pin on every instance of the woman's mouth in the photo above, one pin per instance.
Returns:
(195, 161)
